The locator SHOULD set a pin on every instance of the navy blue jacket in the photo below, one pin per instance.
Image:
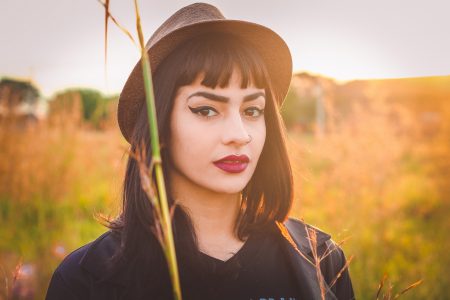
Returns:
(81, 274)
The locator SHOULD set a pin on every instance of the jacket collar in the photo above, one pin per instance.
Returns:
(295, 242)
(296, 239)
(97, 257)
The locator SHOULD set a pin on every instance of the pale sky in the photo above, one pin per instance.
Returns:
(59, 43)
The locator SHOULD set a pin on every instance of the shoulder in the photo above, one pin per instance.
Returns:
(316, 244)
(76, 273)
(305, 235)
(308, 238)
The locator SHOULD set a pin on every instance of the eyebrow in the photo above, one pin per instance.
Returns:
(224, 99)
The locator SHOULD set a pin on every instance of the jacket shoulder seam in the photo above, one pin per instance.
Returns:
(298, 231)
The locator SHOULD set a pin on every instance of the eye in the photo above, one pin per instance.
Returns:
(253, 112)
(204, 111)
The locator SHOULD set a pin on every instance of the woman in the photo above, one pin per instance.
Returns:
(218, 85)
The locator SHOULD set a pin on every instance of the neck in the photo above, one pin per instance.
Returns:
(212, 214)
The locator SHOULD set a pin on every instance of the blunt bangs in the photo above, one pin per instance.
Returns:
(216, 56)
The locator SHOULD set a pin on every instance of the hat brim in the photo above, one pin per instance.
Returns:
(269, 45)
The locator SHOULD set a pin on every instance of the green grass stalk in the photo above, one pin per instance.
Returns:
(162, 212)
(168, 245)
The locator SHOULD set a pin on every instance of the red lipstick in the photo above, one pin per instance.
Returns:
(233, 163)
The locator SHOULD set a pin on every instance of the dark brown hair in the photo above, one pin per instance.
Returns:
(268, 195)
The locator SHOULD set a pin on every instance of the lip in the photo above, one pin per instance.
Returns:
(233, 163)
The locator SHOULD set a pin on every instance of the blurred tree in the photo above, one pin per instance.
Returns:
(94, 107)
(290, 108)
(18, 98)
(299, 108)
(66, 108)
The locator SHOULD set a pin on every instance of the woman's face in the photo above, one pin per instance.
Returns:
(217, 135)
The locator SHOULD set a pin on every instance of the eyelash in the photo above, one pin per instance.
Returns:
(259, 111)
(197, 110)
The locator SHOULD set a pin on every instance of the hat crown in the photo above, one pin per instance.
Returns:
(191, 14)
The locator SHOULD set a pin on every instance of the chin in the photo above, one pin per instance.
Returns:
(229, 189)
(233, 191)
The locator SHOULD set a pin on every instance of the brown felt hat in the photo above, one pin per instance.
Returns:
(188, 22)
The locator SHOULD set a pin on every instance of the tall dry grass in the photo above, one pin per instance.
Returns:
(54, 176)
(379, 175)
(369, 178)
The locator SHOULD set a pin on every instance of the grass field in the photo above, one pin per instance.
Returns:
(381, 182)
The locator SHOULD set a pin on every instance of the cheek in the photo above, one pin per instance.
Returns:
(184, 144)
(189, 143)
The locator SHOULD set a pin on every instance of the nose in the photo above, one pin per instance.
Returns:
(234, 131)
